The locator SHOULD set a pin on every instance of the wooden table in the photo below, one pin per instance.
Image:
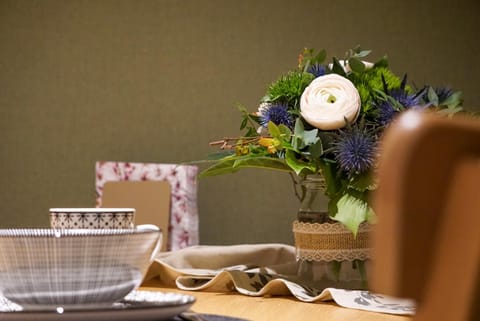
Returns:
(280, 308)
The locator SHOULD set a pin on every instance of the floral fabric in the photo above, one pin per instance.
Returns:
(259, 270)
(183, 225)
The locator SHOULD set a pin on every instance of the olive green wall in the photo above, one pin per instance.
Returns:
(155, 81)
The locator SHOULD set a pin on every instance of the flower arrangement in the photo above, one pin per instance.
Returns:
(327, 118)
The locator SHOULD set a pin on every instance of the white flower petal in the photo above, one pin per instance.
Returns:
(328, 101)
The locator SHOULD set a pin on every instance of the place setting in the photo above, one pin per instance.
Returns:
(88, 265)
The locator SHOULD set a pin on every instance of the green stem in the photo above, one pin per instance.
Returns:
(363, 272)
(335, 267)
(296, 186)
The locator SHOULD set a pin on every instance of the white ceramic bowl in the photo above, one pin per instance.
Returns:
(45, 268)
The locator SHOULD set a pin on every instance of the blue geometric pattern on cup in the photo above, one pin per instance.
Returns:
(83, 220)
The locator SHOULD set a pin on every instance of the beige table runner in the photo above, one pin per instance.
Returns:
(259, 270)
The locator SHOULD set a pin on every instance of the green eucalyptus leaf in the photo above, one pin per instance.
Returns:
(297, 165)
(356, 65)
(299, 128)
(453, 100)
(362, 53)
(297, 141)
(316, 149)
(432, 96)
(310, 136)
(450, 111)
(302, 137)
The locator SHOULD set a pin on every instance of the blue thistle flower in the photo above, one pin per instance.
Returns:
(402, 95)
(355, 151)
(405, 99)
(317, 70)
(278, 114)
(400, 99)
(385, 112)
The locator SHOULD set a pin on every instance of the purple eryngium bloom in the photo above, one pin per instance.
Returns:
(317, 70)
(278, 114)
(387, 110)
(386, 113)
(355, 151)
(402, 96)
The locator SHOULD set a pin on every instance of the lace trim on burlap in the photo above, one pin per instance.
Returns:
(330, 241)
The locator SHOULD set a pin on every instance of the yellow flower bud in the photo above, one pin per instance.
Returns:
(264, 141)
(270, 143)
(271, 149)
(241, 150)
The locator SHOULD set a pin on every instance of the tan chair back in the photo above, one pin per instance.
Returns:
(427, 240)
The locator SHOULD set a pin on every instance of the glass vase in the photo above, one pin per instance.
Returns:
(328, 254)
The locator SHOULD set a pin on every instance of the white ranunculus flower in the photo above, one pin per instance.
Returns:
(328, 101)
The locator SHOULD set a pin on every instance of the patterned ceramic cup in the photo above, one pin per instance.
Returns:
(92, 218)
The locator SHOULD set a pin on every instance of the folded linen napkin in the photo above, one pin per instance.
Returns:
(259, 270)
